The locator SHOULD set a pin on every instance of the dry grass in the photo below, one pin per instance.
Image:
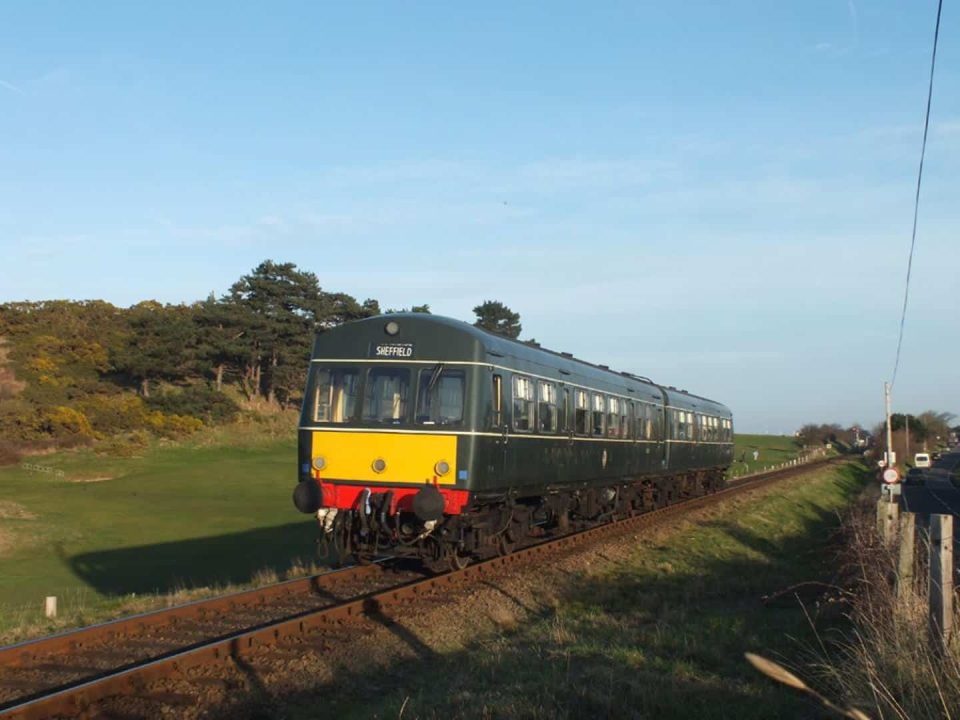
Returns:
(886, 663)
(10, 510)
(889, 663)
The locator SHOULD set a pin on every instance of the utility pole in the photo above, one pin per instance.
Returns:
(886, 400)
(906, 420)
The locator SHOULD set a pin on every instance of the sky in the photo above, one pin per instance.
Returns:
(715, 195)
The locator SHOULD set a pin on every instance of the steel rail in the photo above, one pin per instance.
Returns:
(132, 680)
(72, 640)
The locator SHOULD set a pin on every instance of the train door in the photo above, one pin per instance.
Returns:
(567, 471)
(663, 435)
(501, 426)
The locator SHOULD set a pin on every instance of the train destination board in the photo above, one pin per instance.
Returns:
(400, 351)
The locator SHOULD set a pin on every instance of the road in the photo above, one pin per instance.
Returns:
(937, 494)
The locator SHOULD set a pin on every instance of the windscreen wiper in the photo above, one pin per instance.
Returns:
(434, 378)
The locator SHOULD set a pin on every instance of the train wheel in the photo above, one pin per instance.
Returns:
(505, 544)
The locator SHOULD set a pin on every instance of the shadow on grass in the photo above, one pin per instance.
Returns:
(641, 640)
(201, 562)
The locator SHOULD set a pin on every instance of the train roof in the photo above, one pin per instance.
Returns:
(443, 338)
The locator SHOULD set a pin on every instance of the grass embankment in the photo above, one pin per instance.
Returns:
(660, 632)
(192, 516)
(110, 531)
(771, 450)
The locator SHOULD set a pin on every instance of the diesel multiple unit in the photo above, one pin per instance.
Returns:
(428, 437)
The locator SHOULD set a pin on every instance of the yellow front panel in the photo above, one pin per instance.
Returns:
(409, 458)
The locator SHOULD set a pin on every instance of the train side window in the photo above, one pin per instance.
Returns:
(597, 416)
(613, 417)
(524, 404)
(497, 401)
(565, 411)
(643, 431)
(631, 421)
(547, 411)
(681, 425)
(581, 411)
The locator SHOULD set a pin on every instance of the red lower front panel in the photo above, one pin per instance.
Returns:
(345, 496)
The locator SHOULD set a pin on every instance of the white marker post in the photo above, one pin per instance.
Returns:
(50, 606)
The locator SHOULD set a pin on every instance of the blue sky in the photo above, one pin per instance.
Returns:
(717, 195)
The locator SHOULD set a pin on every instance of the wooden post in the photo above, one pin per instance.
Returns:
(50, 606)
(941, 580)
(888, 519)
(906, 567)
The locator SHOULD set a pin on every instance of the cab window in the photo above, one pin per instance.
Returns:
(335, 395)
(440, 396)
(386, 395)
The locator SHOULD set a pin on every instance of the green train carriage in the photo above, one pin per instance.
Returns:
(425, 436)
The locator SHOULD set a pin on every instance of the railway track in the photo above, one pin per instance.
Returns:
(71, 673)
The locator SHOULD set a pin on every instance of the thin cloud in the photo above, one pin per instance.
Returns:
(11, 87)
(854, 22)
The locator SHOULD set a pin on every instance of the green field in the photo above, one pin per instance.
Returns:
(176, 518)
(116, 535)
(771, 450)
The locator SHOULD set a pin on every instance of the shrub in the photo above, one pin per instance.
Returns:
(9, 453)
(172, 426)
(114, 413)
(67, 423)
(198, 401)
(126, 445)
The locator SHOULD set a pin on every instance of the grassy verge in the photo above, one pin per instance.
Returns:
(887, 664)
(112, 535)
(771, 450)
(660, 633)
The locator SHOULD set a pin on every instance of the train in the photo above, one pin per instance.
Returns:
(426, 437)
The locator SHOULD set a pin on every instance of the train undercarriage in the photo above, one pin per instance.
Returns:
(493, 525)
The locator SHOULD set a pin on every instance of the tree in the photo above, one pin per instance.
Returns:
(159, 344)
(222, 336)
(285, 304)
(286, 308)
(498, 318)
(425, 309)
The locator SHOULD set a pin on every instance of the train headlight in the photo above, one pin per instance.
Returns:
(319, 463)
(392, 327)
(379, 465)
(442, 467)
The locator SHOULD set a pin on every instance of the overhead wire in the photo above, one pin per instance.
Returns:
(916, 200)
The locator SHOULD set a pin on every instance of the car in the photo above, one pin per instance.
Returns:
(921, 460)
(914, 476)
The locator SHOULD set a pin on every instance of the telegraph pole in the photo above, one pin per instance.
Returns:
(886, 400)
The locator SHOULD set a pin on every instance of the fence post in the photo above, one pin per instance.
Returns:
(906, 567)
(941, 580)
(888, 519)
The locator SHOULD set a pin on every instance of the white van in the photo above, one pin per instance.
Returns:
(921, 460)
